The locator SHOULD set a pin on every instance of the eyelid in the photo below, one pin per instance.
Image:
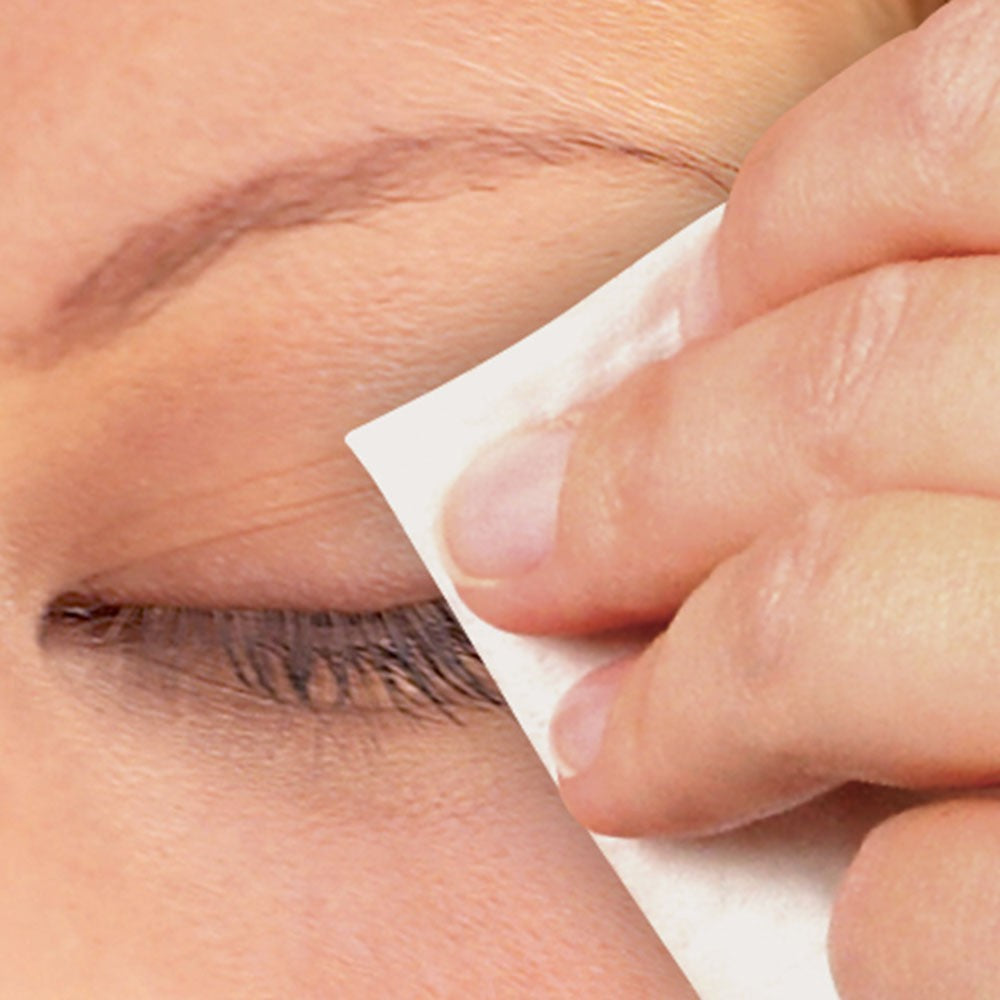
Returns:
(410, 658)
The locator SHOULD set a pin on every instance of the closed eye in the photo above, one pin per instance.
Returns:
(413, 658)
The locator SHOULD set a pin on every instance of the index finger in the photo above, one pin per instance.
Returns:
(690, 459)
(883, 381)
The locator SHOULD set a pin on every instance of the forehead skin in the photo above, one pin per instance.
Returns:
(233, 397)
(190, 451)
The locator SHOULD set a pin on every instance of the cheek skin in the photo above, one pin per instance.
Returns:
(168, 843)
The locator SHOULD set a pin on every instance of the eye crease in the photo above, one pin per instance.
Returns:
(414, 658)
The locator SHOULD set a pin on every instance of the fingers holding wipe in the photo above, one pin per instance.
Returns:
(884, 381)
(851, 386)
(855, 641)
(858, 643)
(895, 159)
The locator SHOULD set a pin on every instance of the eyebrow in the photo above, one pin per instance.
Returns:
(155, 259)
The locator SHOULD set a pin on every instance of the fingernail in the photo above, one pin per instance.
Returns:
(576, 732)
(500, 517)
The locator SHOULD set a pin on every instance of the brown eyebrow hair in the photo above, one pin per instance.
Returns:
(346, 183)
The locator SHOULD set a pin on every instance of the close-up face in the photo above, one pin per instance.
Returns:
(245, 753)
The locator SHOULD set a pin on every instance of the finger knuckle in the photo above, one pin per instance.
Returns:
(621, 484)
(785, 578)
(948, 104)
(832, 374)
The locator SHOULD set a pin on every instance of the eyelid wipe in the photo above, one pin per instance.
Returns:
(744, 914)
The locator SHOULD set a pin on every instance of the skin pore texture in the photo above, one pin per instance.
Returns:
(231, 233)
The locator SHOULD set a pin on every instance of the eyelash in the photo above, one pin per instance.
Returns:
(410, 658)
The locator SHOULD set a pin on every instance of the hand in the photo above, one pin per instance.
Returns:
(811, 499)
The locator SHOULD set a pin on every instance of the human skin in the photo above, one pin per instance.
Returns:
(826, 584)
(168, 837)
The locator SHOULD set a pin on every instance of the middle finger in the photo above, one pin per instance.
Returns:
(857, 643)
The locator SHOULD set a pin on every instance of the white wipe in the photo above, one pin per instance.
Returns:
(744, 914)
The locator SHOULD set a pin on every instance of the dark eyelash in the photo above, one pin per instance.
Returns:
(411, 658)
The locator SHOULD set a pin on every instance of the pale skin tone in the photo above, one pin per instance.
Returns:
(171, 411)
(806, 502)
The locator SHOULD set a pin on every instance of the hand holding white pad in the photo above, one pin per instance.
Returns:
(744, 914)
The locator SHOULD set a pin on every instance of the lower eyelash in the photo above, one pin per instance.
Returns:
(411, 658)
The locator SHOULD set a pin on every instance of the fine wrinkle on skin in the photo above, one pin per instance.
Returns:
(194, 511)
(156, 259)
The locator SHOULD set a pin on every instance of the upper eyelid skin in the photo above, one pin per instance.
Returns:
(173, 431)
(126, 284)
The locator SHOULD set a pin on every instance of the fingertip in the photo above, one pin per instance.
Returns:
(499, 518)
(602, 761)
(578, 727)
